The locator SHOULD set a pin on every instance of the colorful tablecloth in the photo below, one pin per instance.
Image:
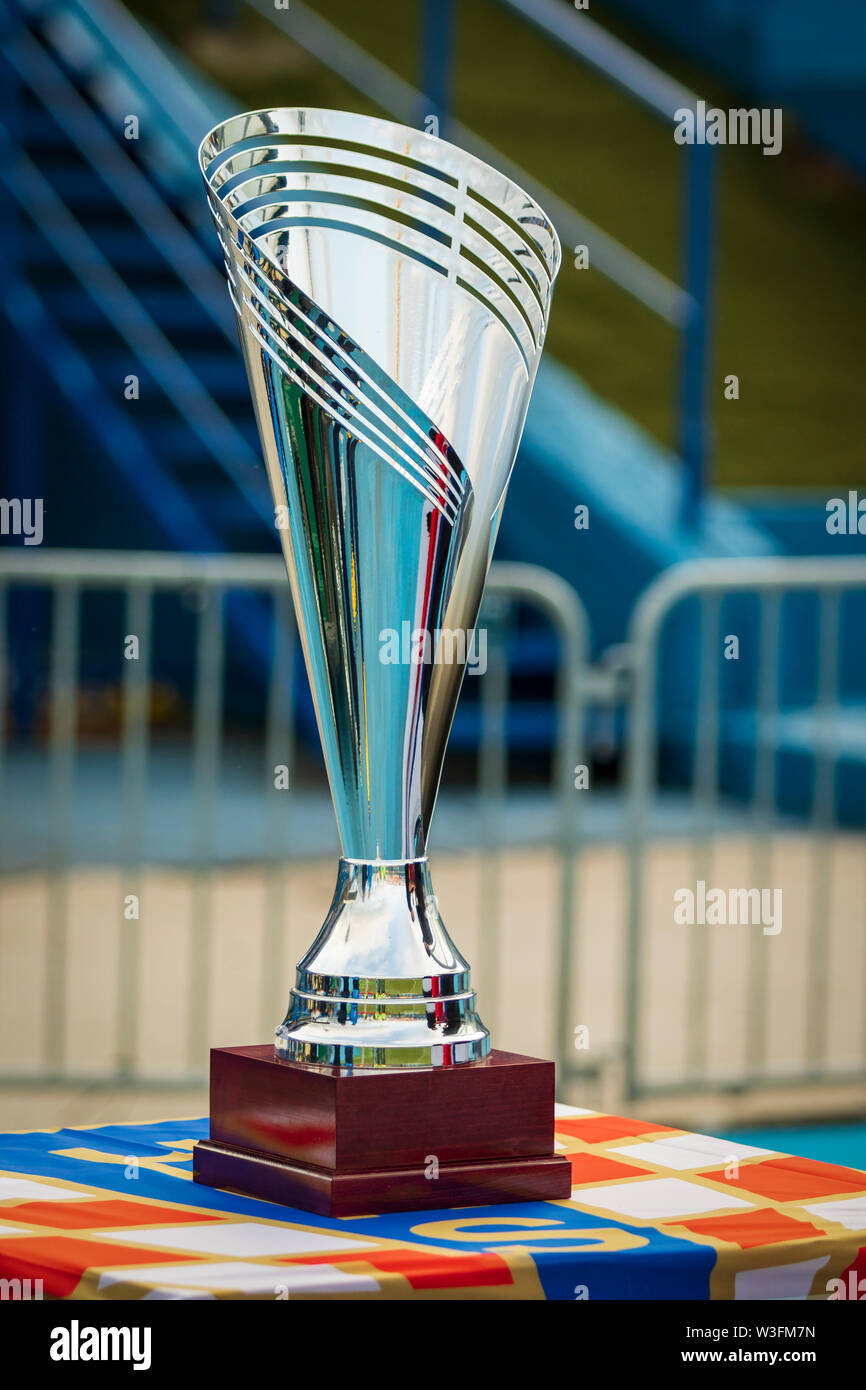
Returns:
(112, 1212)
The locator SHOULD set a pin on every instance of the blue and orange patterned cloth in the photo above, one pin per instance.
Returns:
(112, 1212)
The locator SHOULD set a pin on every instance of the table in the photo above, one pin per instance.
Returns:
(655, 1212)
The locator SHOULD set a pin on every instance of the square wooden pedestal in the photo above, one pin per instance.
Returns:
(343, 1142)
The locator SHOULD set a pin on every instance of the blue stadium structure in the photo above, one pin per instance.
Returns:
(112, 290)
(808, 58)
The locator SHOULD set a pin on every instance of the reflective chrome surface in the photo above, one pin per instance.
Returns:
(383, 984)
(392, 294)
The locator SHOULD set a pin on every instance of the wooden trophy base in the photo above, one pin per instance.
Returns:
(354, 1143)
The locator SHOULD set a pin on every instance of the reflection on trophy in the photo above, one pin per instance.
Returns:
(392, 295)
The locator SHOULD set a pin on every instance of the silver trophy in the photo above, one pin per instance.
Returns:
(392, 295)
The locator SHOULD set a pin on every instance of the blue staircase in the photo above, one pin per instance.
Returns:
(112, 271)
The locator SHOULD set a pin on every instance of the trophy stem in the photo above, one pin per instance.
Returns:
(346, 1011)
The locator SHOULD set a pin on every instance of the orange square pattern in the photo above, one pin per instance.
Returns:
(788, 1179)
(596, 1168)
(92, 1215)
(752, 1228)
(425, 1269)
(60, 1261)
(598, 1129)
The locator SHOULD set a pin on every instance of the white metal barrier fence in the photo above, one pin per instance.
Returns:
(740, 1004)
(120, 955)
(687, 1007)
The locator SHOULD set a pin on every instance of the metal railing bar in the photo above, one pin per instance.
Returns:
(279, 749)
(822, 827)
(84, 1081)
(705, 792)
(63, 740)
(586, 39)
(705, 783)
(568, 754)
(737, 1086)
(735, 575)
(134, 761)
(437, 25)
(161, 569)
(557, 600)
(641, 770)
(492, 780)
(699, 222)
(763, 805)
(207, 728)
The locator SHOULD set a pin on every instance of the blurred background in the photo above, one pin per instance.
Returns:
(676, 682)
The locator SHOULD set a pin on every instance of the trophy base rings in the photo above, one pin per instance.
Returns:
(345, 1012)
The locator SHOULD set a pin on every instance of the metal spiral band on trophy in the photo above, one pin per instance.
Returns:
(392, 295)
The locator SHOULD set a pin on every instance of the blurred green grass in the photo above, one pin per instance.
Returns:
(789, 292)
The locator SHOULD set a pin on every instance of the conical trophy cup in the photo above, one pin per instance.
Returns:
(392, 295)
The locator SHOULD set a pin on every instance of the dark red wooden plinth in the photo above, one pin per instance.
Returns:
(351, 1143)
